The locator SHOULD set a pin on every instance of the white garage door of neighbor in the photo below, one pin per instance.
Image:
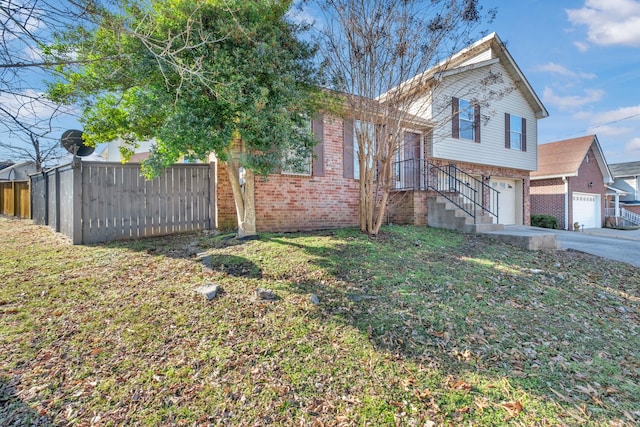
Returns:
(586, 210)
(506, 201)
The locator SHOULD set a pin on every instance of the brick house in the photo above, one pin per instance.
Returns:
(472, 140)
(571, 182)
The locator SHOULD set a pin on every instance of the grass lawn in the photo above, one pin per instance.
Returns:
(415, 327)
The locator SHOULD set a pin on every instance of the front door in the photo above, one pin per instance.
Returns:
(410, 172)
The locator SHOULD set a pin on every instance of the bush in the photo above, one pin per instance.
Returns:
(544, 221)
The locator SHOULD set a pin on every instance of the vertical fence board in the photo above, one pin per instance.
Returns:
(38, 199)
(94, 202)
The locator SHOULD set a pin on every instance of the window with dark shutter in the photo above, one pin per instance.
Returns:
(465, 122)
(515, 131)
(347, 152)
(455, 118)
(476, 123)
(524, 134)
(317, 166)
(507, 130)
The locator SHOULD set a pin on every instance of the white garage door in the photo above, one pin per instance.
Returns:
(586, 210)
(506, 201)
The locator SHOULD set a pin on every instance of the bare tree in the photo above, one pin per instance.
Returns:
(383, 54)
(29, 122)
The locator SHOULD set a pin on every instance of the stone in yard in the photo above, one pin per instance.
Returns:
(192, 249)
(266, 294)
(314, 299)
(210, 290)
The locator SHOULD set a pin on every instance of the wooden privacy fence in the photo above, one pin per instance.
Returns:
(96, 202)
(14, 198)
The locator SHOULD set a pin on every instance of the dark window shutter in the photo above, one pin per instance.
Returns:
(317, 166)
(524, 134)
(347, 152)
(507, 130)
(455, 118)
(476, 123)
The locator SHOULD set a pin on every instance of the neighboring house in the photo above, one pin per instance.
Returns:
(572, 182)
(5, 164)
(473, 132)
(111, 153)
(627, 178)
(18, 171)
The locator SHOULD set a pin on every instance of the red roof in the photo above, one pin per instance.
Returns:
(562, 158)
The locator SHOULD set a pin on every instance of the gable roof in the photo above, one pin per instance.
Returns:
(5, 164)
(475, 57)
(619, 170)
(563, 158)
(18, 171)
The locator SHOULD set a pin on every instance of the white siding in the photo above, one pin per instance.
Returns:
(630, 185)
(497, 98)
(483, 56)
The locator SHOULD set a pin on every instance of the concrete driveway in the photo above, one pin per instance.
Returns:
(619, 245)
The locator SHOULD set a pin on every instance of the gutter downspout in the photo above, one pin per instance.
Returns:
(566, 203)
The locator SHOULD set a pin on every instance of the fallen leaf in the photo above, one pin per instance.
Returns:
(513, 408)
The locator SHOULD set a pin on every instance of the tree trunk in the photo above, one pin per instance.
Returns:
(243, 195)
(381, 207)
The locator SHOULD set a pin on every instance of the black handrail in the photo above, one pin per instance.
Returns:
(450, 182)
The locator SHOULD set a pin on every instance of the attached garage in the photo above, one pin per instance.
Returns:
(586, 210)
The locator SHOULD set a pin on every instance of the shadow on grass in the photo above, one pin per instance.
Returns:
(13, 411)
(459, 304)
(467, 306)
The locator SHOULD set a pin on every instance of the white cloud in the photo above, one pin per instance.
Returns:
(606, 130)
(21, 22)
(633, 147)
(614, 116)
(29, 106)
(301, 13)
(552, 67)
(582, 47)
(609, 22)
(572, 101)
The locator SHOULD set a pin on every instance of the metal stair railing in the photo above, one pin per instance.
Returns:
(466, 192)
(629, 216)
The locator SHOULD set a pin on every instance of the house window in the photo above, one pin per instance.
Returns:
(362, 131)
(298, 161)
(515, 132)
(465, 120)
(467, 125)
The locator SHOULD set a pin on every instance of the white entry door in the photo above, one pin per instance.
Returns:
(506, 201)
(586, 210)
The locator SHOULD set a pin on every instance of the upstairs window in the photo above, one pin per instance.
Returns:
(465, 120)
(515, 132)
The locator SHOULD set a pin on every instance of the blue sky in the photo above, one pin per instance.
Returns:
(582, 58)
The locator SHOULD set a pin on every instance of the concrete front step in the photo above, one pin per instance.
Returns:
(482, 228)
(532, 240)
(444, 214)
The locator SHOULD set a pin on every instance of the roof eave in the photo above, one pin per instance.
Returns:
(562, 175)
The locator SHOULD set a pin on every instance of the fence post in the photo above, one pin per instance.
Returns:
(77, 220)
(15, 199)
(213, 198)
